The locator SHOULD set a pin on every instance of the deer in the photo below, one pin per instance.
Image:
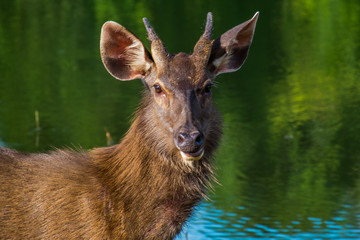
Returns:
(147, 186)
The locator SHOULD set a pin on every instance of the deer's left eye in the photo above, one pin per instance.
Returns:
(207, 89)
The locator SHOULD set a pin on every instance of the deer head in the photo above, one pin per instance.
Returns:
(179, 86)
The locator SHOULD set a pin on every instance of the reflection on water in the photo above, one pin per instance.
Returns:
(212, 223)
(289, 162)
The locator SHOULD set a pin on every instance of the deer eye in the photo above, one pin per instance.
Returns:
(207, 89)
(158, 89)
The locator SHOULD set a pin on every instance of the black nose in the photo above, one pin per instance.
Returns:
(189, 142)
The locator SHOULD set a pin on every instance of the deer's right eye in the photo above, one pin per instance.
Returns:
(159, 90)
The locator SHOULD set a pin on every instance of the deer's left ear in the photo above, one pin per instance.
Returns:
(122, 53)
(230, 50)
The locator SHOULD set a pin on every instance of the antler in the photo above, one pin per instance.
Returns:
(209, 26)
(202, 49)
(158, 50)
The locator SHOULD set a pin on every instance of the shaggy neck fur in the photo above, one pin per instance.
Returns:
(151, 190)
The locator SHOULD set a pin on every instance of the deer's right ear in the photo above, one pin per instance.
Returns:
(122, 53)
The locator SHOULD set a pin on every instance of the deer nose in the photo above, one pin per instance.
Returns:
(189, 142)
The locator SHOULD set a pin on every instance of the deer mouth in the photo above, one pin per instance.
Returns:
(192, 156)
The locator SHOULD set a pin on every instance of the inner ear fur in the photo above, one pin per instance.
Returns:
(230, 50)
(122, 53)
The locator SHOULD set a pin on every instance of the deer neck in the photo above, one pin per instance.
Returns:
(144, 159)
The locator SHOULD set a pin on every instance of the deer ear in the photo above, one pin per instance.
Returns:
(122, 53)
(230, 50)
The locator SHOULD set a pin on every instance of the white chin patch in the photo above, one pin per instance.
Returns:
(189, 159)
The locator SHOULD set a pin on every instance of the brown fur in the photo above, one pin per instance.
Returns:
(141, 188)
(88, 195)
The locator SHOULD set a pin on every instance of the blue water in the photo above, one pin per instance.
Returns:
(216, 224)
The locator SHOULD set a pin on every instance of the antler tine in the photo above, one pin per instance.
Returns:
(209, 26)
(158, 50)
(202, 49)
(151, 33)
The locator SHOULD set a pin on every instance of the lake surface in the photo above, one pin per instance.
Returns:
(289, 162)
